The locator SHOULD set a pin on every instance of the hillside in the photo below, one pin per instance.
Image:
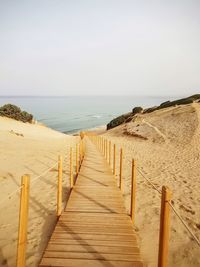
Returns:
(166, 145)
(131, 116)
(29, 149)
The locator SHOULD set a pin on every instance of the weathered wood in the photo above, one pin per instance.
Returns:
(120, 168)
(60, 262)
(94, 229)
(133, 191)
(114, 159)
(59, 187)
(93, 248)
(71, 168)
(93, 242)
(110, 153)
(104, 147)
(77, 160)
(23, 221)
(164, 227)
(81, 151)
(88, 236)
(90, 256)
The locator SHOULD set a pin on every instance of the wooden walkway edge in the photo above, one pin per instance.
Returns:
(94, 230)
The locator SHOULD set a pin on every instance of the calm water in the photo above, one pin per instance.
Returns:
(74, 113)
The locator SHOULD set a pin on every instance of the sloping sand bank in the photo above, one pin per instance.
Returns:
(166, 145)
(31, 149)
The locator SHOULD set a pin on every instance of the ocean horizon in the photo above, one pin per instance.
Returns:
(70, 114)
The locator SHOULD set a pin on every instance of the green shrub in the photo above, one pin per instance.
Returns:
(115, 122)
(149, 110)
(14, 112)
(137, 110)
(129, 116)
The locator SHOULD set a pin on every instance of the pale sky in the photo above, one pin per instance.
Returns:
(99, 47)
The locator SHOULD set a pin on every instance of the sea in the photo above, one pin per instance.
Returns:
(71, 114)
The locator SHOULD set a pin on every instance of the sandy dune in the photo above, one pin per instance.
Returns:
(166, 145)
(26, 148)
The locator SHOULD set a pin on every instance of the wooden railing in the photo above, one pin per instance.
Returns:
(167, 205)
(24, 198)
(104, 146)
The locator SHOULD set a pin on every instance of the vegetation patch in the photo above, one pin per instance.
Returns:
(14, 112)
(137, 110)
(119, 120)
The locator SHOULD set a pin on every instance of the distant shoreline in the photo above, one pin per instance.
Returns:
(98, 129)
(71, 114)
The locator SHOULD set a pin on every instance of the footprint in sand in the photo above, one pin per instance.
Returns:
(187, 209)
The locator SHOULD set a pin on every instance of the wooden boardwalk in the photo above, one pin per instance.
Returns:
(94, 230)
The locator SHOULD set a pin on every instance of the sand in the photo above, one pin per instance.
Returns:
(29, 149)
(166, 146)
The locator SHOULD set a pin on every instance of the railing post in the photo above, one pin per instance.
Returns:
(106, 149)
(81, 144)
(80, 152)
(114, 159)
(120, 168)
(109, 152)
(133, 191)
(23, 221)
(71, 168)
(164, 227)
(59, 187)
(77, 162)
(83, 150)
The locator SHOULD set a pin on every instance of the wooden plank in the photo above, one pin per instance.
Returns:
(91, 256)
(88, 236)
(114, 228)
(88, 248)
(94, 229)
(95, 215)
(109, 223)
(89, 263)
(93, 242)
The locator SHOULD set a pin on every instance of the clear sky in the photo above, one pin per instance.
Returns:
(86, 47)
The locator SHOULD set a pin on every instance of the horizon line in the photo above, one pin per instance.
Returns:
(178, 95)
